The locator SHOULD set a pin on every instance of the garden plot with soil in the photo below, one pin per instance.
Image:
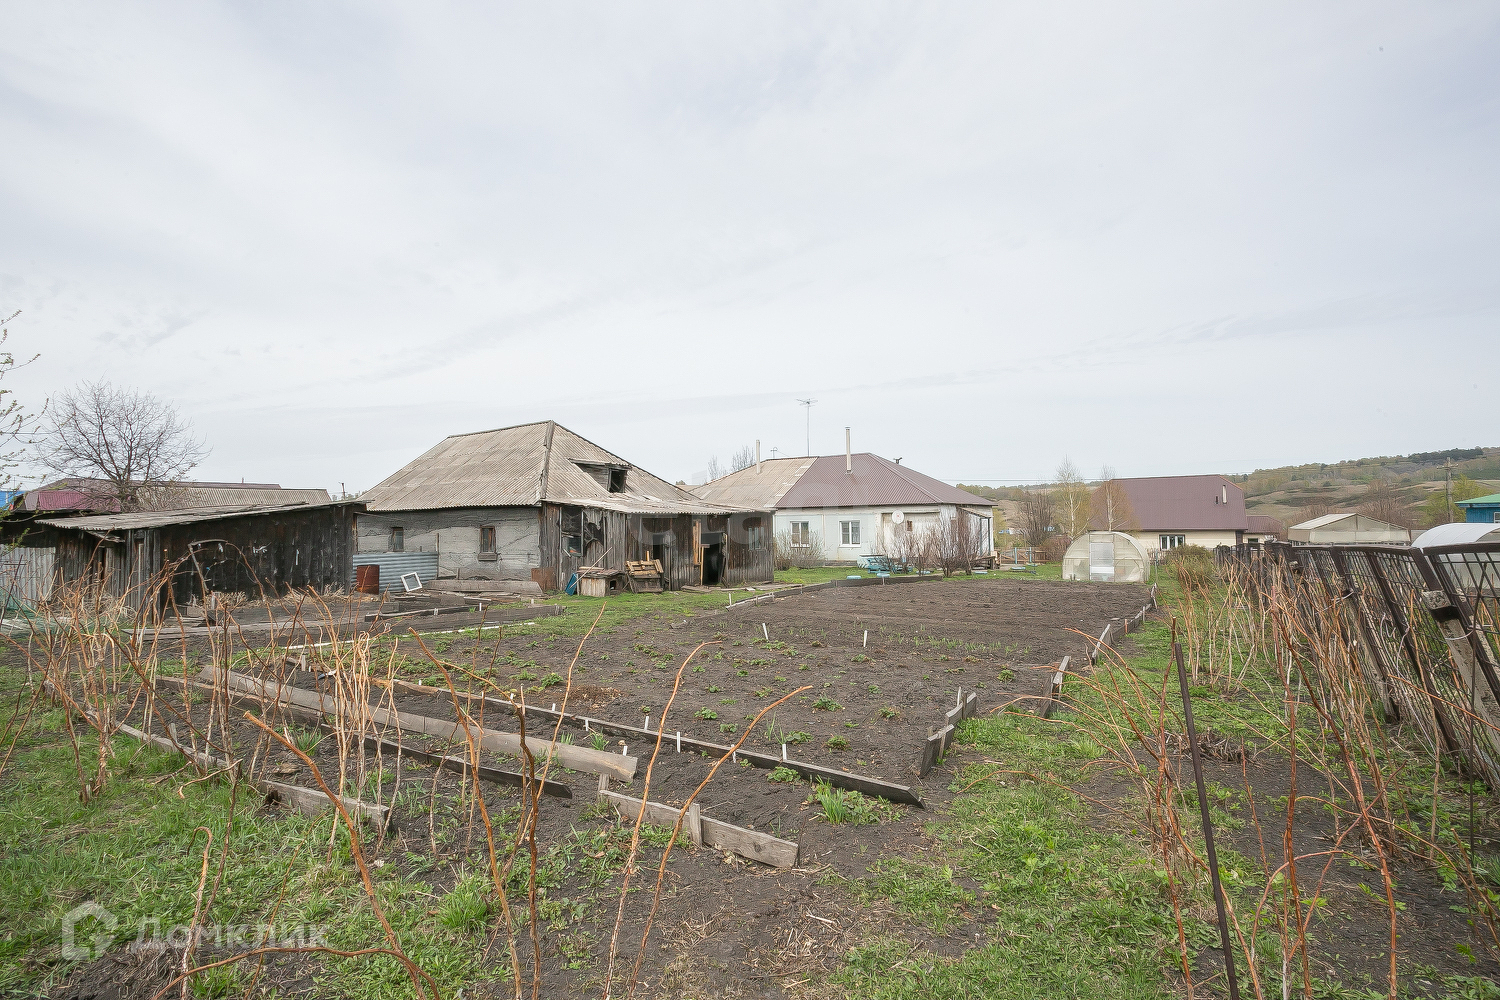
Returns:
(727, 926)
(880, 666)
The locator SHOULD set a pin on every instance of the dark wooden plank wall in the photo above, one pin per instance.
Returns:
(278, 552)
(610, 538)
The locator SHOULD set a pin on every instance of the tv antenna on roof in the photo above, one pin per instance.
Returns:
(809, 404)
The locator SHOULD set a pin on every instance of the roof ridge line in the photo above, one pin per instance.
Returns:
(902, 473)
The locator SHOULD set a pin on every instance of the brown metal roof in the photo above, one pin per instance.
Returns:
(521, 467)
(759, 486)
(1264, 524)
(875, 482)
(1185, 503)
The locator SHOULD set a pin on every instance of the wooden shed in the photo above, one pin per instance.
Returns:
(224, 549)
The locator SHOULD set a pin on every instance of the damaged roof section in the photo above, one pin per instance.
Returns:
(527, 465)
(103, 523)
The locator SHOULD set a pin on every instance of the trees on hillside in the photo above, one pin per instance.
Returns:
(1439, 510)
(132, 444)
(1385, 503)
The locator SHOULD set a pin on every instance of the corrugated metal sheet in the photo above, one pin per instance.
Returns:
(503, 468)
(27, 574)
(393, 565)
(157, 518)
(758, 488)
(875, 482)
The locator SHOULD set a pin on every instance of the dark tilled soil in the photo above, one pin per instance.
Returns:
(869, 703)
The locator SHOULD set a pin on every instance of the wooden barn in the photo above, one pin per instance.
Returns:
(525, 508)
(223, 549)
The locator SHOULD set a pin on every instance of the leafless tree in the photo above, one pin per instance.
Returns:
(1072, 499)
(1384, 503)
(1038, 514)
(131, 446)
(806, 551)
(957, 543)
(714, 469)
(1109, 508)
(742, 459)
(16, 425)
(1318, 509)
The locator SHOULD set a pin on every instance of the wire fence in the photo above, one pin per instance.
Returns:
(1424, 625)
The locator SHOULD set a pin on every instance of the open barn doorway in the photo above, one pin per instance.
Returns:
(713, 558)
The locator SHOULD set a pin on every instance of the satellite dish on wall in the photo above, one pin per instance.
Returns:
(898, 516)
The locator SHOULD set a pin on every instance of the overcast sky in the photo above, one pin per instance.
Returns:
(1171, 238)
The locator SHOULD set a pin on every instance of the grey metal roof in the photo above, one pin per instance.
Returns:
(193, 515)
(757, 486)
(522, 466)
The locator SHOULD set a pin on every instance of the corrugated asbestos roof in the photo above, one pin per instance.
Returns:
(95, 494)
(158, 518)
(1185, 503)
(509, 466)
(875, 482)
(757, 486)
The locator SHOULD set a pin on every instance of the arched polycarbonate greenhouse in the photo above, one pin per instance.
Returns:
(1109, 556)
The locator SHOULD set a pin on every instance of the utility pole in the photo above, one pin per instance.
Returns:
(809, 404)
(1448, 466)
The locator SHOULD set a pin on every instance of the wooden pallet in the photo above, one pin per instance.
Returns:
(646, 575)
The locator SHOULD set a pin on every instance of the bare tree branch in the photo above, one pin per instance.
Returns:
(131, 445)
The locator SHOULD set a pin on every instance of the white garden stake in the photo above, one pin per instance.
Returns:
(679, 741)
(765, 631)
(867, 638)
(783, 751)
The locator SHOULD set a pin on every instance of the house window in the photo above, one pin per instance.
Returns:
(398, 540)
(849, 532)
(487, 539)
(1172, 541)
(801, 534)
(755, 533)
(617, 480)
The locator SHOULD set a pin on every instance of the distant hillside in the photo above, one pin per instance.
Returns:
(1292, 491)
(1288, 491)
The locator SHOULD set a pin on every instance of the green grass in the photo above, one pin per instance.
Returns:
(135, 850)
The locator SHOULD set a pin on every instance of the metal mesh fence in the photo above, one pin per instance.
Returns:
(1379, 600)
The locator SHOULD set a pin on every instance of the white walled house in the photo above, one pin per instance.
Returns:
(851, 504)
(1164, 512)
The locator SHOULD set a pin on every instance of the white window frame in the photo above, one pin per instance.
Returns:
(1169, 542)
(801, 532)
(849, 534)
